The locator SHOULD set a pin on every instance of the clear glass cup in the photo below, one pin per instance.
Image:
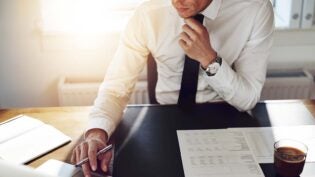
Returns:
(289, 157)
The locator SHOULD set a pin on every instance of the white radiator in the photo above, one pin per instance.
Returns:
(82, 92)
(278, 85)
(288, 85)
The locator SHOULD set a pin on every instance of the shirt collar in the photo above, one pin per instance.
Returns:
(212, 10)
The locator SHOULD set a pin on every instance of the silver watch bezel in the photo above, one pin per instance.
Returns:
(213, 67)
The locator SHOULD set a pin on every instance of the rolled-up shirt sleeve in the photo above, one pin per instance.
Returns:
(240, 84)
(122, 74)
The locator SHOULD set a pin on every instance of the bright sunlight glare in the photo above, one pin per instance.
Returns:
(85, 16)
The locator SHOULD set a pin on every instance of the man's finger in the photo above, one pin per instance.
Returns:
(194, 25)
(189, 31)
(73, 159)
(182, 43)
(77, 154)
(183, 36)
(92, 155)
(83, 154)
(86, 170)
(105, 161)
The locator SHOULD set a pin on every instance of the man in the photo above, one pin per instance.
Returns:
(231, 46)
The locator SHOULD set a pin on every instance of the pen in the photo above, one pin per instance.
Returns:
(107, 148)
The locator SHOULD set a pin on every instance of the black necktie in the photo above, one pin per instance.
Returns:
(188, 88)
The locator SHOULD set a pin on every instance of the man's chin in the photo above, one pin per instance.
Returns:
(184, 15)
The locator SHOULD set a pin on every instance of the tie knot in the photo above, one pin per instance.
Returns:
(199, 18)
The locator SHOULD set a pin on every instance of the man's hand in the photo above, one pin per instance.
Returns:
(195, 41)
(95, 140)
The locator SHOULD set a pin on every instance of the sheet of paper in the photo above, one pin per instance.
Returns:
(212, 153)
(261, 140)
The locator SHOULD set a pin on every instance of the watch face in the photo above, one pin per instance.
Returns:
(214, 68)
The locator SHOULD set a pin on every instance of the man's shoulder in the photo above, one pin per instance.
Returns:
(245, 3)
(246, 6)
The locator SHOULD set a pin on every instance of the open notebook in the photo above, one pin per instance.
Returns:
(51, 168)
(24, 138)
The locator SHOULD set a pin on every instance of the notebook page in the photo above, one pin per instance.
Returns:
(17, 126)
(32, 144)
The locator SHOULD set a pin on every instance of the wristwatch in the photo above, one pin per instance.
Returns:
(213, 67)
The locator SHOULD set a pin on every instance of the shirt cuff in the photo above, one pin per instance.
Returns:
(101, 123)
(221, 81)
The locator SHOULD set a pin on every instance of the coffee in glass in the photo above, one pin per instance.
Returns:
(289, 157)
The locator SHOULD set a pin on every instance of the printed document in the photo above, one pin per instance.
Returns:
(262, 139)
(213, 153)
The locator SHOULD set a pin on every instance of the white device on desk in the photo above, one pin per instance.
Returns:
(51, 168)
(62, 169)
(13, 170)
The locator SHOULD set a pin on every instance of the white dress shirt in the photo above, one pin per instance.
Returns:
(240, 32)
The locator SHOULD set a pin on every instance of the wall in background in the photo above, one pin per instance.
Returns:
(31, 64)
(293, 49)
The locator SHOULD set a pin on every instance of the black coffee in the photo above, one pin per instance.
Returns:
(289, 162)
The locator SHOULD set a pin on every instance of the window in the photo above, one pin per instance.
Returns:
(85, 16)
(101, 16)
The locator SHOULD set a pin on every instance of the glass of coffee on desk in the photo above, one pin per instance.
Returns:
(289, 157)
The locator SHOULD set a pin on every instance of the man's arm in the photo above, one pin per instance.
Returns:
(113, 95)
(242, 85)
(121, 77)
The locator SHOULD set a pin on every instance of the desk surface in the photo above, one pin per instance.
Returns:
(72, 121)
(147, 135)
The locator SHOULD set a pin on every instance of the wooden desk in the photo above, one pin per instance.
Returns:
(73, 120)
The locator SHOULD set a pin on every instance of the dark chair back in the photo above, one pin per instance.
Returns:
(152, 78)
